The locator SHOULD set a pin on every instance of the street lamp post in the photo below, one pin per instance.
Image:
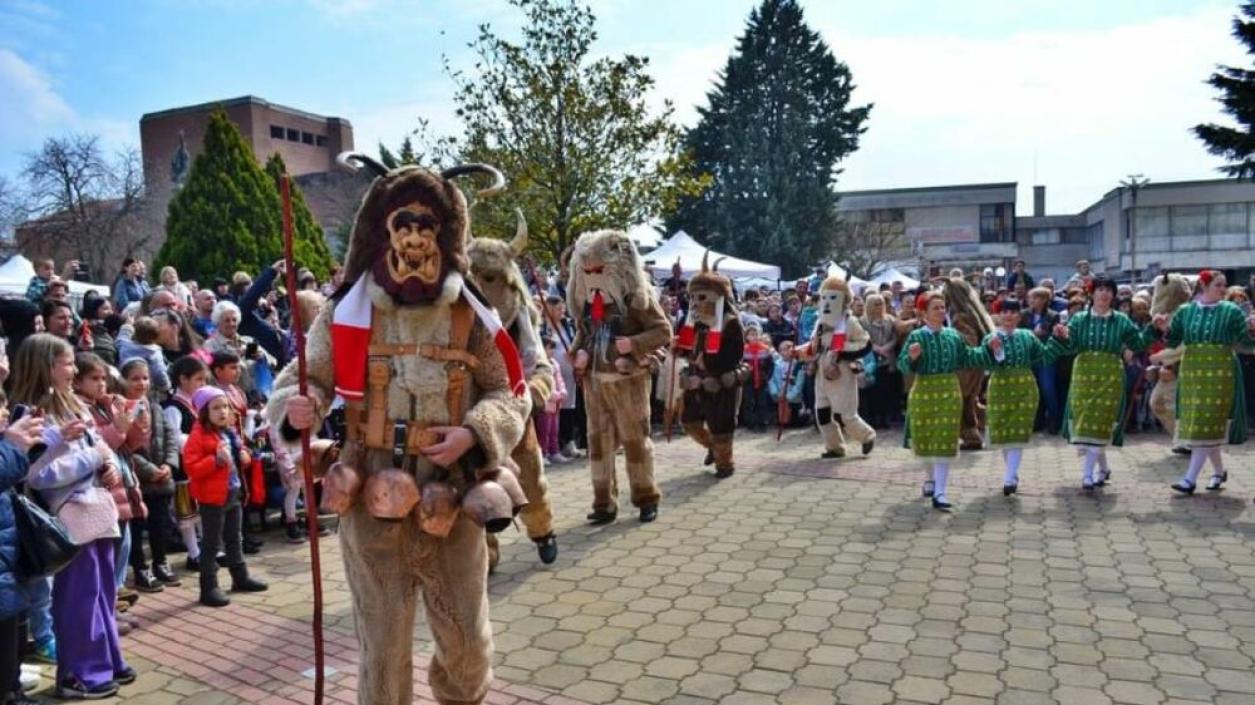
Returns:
(1133, 183)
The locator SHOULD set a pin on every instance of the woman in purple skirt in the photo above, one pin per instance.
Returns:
(72, 476)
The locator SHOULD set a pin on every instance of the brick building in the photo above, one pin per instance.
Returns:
(307, 142)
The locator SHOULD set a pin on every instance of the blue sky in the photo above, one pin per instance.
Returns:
(1074, 94)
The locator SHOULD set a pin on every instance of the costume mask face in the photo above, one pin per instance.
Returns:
(704, 303)
(414, 266)
(831, 306)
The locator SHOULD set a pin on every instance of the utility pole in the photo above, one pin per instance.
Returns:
(1133, 183)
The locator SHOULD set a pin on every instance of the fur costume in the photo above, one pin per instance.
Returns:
(1171, 292)
(969, 318)
(712, 342)
(495, 272)
(408, 252)
(611, 300)
(836, 379)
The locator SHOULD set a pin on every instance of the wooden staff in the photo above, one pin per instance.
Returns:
(307, 471)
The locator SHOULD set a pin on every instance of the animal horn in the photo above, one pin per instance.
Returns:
(498, 179)
(519, 243)
(705, 258)
(355, 161)
(715, 266)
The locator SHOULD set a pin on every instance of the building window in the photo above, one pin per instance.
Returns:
(1189, 220)
(276, 132)
(307, 138)
(294, 135)
(995, 222)
(1045, 237)
(321, 140)
(1151, 222)
(1226, 218)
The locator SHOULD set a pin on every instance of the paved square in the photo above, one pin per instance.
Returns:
(806, 581)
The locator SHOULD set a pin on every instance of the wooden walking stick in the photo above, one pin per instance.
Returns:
(307, 471)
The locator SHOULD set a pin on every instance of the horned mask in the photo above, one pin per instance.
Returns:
(710, 303)
(426, 222)
(495, 272)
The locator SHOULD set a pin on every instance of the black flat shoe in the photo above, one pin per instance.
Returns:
(941, 504)
(710, 458)
(192, 565)
(547, 547)
(724, 473)
(649, 512)
(1180, 450)
(1103, 477)
(829, 454)
(1008, 490)
(867, 447)
(125, 677)
(1184, 488)
(1217, 482)
(75, 689)
(599, 518)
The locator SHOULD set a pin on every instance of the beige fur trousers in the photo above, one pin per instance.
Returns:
(840, 397)
(972, 423)
(537, 516)
(618, 416)
(388, 565)
(1163, 404)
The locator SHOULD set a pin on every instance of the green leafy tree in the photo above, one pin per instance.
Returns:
(226, 216)
(404, 155)
(571, 132)
(309, 243)
(778, 123)
(1237, 95)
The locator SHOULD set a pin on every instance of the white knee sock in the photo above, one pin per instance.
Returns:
(1012, 457)
(1087, 465)
(1217, 462)
(187, 529)
(289, 504)
(941, 475)
(1198, 456)
(1102, 460)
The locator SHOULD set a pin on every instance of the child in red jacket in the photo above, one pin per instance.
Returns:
(212, 459)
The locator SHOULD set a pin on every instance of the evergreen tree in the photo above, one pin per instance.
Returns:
(309, 243)
(226, 217)
(778, 122)
(1237, 88)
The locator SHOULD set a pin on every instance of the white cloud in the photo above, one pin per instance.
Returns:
(1088, 107)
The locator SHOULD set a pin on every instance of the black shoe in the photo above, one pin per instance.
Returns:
(1101, 480)
(1217, 482)
(829, 454)
(242, 582)
(163, 572)
(867, 447)
(293, 531)
(649, 512)
(1088, 486)
(1184, 488)
(145, 582)
(252, 547)
(1008, 490)
(710, 458)
(192, 565)
(600, 517)
(1181, 450)
(74, 689)
(221, 559)
(214, 597)
(547, 547)
(724, 473)
(941, 504)
(125, 677)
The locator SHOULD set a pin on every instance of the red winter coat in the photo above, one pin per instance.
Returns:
(207, 479)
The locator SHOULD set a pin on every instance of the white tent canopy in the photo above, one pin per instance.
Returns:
(16, 273)
(893, 274)
(644, 235)
(689, 252)
(836, 270)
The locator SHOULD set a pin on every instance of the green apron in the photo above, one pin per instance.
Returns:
(1096, 399)
(933, 411)
(1205, 395)
(1012, 407)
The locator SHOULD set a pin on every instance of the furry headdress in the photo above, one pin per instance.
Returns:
(607, 260)
(967, 313)
(495, 271)
(1171, 291)
(396, 188)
